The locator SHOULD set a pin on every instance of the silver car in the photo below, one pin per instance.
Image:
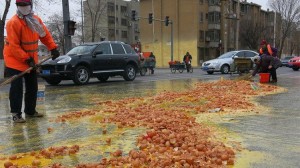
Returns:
(224, 63)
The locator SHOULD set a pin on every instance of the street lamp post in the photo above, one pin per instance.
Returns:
(82, 32)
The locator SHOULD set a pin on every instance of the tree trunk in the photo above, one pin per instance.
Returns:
(1, 38)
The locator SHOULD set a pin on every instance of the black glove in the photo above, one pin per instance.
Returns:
(30, 62)
(54, 53)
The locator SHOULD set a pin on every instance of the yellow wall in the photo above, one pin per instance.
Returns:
(156, 37)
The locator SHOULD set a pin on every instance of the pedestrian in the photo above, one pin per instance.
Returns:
(267, 49)
(24, 30)
(266, 64)
(152, 61)
(187, 59)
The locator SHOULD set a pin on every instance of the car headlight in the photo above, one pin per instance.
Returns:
(298, 60)
(64, 60)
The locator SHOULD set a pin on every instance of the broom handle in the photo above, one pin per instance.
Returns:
(24, 72)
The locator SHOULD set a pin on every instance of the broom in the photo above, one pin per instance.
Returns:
(9, 80)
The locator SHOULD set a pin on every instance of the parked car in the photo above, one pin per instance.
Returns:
(294, 63)
(101, 60)
(285, 60)
(224, 62)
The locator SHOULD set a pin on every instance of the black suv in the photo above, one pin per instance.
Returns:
(100, 60)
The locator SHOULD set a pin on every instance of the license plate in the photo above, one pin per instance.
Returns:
(46, 72)
(205, 68)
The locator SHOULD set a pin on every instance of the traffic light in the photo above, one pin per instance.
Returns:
(167, 20)
(150, 19)
(71, 27)
(133, 15)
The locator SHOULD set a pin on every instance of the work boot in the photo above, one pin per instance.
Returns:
(273, 81)
(36, 114)
(17, 118)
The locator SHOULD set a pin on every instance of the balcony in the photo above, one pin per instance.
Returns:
(214, 26)
(214, 8)
(213, 44)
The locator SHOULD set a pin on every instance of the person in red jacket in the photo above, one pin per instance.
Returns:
(24, 30)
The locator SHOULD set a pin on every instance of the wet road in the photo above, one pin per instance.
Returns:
(275, 135)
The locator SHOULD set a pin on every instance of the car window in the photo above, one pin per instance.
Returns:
(104, 47)
(288, 58)
(227, 55)
(83, 49)
(241, 54)
(249, 54)
(117, 49)
(128, 49)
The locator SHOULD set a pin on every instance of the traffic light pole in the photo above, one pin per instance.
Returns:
(66, 18)
(151, 19)
(172, 45)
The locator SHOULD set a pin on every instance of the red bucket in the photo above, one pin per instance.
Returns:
(264, 77)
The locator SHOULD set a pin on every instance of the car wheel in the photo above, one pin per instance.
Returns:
(81, 75)
(296, 69)
(143, 71)
(225, 69)
(53, 81)
(173, 70)
(129, 73)
(210, 72)
(103, 78)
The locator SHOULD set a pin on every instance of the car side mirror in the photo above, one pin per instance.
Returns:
(97, 53)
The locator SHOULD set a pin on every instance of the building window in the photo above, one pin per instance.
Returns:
(213, 2)
(111, 20)
(136, 38)
(214, 17)
(124, 22)
(111, 33)
(110, 7)
(123, 9)
(213, 35)
(201, 37)
(201, 17)
(124, 34)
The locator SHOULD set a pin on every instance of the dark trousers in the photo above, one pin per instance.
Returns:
(188, 67)
(273, 74)
(16, 92)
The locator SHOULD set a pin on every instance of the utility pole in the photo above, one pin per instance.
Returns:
(225, 35)
(82, 21)
(237, 25)
(172, 39)
(66, 18)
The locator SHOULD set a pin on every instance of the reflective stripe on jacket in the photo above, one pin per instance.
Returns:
(21, 43)
(270, 52)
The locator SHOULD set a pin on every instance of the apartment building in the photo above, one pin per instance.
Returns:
(110, 20)
(205, 28)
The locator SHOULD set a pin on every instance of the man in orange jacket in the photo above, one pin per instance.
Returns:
(24, 30)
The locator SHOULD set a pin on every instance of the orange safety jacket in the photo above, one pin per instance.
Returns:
(22, 42)
(269, 50)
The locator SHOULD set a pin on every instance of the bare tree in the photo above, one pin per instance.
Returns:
(248, 33)
(2, 24)
(290, 13)
(94, 9)
(55, 25)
